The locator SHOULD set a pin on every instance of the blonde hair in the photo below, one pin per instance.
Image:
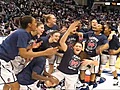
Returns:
(47, 17)
(39, 23)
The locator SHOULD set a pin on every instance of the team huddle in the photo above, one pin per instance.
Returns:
(23, 55)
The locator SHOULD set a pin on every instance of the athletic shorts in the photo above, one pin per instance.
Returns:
(70, 80)
(92, 68)
(9, 69)
(111, 58)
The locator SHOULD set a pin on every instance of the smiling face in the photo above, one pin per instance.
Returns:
(77, 48)
(40, 29)
(52, 20)
(55, 37)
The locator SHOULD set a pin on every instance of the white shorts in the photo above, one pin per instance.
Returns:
(111, 58)
(70, 80)
(58, 59)
(52, 59)
(55, 58)
(9, 69)
(92, 68)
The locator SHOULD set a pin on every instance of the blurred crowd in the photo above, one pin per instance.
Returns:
(64, 12)
(64, 43)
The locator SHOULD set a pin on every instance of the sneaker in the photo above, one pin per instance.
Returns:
(95, 85)
(62, 83)
(87, 88)
(90, 87)
(100, 80)
(58, 87)
(84, 86)
(63, 88)
(115, 82)
(78, 84)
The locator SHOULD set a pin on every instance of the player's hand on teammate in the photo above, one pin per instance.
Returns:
(89, 62)
(99, 50)
(113, 52)
(51, 51)
(36, 45)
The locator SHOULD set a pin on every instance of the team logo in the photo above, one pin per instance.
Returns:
(74, 63)
(71, 41)
(92, 44)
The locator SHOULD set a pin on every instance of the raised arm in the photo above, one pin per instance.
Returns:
(71, 28)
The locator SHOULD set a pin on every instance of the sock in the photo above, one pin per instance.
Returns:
(98, 74)
(115, 78)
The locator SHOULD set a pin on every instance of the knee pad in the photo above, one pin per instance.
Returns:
(112, 68)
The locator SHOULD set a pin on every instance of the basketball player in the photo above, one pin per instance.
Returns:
(16, 45)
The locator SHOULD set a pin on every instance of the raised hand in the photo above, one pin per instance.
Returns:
(74, 26)
(89, 62)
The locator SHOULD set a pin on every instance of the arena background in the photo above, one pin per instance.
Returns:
(102, 5)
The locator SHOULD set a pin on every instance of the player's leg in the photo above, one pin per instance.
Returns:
(112, 62)
(103, 60)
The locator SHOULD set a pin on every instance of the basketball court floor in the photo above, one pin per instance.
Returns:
(108, 84)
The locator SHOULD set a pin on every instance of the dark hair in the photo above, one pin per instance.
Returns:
(78, 42)
(55, 31)
(109, 26)
(25, 20)
(17, 21)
